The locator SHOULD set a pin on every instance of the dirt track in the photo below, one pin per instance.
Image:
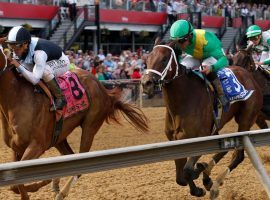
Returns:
(145, 182)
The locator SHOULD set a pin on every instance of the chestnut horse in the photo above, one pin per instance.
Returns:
(28, 126)
(243, 58)
(189, 113)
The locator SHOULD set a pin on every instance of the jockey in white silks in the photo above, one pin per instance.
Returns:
(38, 59)
(260, 41)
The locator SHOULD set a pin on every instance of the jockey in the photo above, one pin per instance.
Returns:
(38, 59)
(202, 48)
(261, 43)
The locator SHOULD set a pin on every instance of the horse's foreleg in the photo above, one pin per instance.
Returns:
(64, 149)
(33, 151)
(207, 168)
(238, 157)
(89, 129)
(194, 190)
(189, 172)
(179, 165)
(65, 190)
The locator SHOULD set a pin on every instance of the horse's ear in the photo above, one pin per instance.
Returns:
(249, 47)
(157, 41)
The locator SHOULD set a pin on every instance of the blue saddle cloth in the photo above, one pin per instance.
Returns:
(232, 88)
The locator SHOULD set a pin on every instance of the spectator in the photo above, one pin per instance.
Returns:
(267, 13)
(86, 62)
(120, 72)
(100, 72)
(136, 73)
(72, 5)
(101, 55)
(72, 65)
(109, 63)
(171, 14)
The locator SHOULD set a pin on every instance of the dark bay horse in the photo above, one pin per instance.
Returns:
(189, 113)
(28, 126)
(243, 58)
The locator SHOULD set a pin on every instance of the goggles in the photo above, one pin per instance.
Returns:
(254, 38)
(183, 39)
(14, 46)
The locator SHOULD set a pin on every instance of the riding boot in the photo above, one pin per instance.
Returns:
(60, 100)
(221, 96)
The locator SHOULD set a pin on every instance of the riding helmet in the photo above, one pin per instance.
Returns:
(253, 30)
(181, 29)
(18, 35)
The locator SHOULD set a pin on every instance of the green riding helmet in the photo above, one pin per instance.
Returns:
(253, 30)
(181, 29)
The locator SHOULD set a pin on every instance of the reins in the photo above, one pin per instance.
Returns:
(6, 68)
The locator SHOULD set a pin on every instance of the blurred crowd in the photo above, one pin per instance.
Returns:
(225, 8)
(128, 65)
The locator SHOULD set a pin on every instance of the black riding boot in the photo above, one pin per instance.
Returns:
(221, 96)
(60, 100)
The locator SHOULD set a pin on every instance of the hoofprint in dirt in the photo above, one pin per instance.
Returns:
(147, 182)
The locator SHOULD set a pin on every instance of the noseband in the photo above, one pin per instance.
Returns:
(163, 74)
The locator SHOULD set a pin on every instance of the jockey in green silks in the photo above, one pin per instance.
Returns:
(203, 48)
(261, 43)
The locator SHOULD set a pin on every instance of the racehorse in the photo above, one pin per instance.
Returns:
(243, 58)
(189, 108)
(28, 126)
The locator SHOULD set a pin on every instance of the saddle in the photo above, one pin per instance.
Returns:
(75, 94)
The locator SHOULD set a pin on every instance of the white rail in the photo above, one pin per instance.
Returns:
(48, 168)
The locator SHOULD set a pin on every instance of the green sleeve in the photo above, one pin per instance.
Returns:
(266, 62)
(214, 49)
(268, 42)
(221, 63)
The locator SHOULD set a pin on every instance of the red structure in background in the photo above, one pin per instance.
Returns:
(27, 11)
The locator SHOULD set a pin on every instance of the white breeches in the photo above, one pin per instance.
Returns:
(192, 63)
(55, 68)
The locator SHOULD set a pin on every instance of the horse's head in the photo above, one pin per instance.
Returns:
(3, 62)
(162, 67)
(243, 58)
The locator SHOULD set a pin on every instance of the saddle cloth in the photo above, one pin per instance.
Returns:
(76, 96)
(232, 88)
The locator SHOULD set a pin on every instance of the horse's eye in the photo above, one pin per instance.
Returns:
(164, 60)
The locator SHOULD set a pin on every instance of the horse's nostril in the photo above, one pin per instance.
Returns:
(148, 83)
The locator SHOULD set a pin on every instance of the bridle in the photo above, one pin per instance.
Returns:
(6, 68)
(163, 74)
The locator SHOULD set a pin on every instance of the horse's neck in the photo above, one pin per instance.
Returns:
(11, 90)
(181, 92)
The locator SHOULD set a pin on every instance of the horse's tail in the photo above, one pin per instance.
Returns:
(130, 112)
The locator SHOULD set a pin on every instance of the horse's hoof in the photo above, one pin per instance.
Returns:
(182, 182)
(198, 192)
(207, 182)
(214, 194)
(59, 196)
